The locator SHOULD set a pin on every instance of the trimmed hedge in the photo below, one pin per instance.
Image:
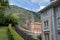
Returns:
(15, 35)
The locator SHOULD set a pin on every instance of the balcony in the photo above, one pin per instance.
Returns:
(46, 29)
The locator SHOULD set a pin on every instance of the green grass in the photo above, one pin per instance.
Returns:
(3, 33)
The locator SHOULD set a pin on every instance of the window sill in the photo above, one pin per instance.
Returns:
(46, 28)
(58, 25)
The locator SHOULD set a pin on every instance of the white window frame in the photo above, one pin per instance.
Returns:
(46, 24)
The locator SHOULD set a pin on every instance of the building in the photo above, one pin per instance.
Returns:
(50, 19)
(29, 20)
(36, 27)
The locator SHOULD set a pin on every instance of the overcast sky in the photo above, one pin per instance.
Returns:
(34, 5)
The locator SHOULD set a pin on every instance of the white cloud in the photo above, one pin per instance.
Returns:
(41, 7)
(39, 1)
(11, 3)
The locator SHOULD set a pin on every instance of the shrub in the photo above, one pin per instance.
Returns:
(15, 35)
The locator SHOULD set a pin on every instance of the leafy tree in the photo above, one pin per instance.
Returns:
(12, 18)
(3, 5)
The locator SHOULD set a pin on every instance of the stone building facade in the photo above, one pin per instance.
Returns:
(36, 27)
(50, 20)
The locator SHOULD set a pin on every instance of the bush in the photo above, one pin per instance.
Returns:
(15, 35)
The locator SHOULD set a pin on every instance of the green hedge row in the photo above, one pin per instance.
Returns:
(15, 35)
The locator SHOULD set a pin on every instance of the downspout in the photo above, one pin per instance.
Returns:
(51, 25)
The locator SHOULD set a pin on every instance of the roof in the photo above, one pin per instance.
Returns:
(53, 4)
(36, 23)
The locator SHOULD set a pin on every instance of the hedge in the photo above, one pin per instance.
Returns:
(15, 35)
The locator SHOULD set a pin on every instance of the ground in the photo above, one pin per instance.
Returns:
(3, 33)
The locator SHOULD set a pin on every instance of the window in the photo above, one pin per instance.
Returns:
(58, 21)
(58, 31)
(46, 24)
(46, 36)
(58, 35)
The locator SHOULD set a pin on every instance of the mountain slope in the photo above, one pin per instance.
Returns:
(18, 10)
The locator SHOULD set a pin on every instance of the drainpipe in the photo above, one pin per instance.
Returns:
(51, 25)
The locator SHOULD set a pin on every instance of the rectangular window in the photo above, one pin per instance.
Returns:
(46, 36)
(58, 21)
(46, 24)
(58, 35)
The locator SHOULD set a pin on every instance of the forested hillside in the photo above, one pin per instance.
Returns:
(23, 14)
(18, 10)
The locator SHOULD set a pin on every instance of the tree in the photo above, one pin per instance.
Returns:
(11, 19)
(3, 5)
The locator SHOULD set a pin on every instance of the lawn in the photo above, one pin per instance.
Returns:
(3, 33)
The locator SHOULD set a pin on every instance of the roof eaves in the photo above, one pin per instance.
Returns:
(50, 6)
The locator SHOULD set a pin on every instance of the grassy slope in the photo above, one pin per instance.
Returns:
(3, 33)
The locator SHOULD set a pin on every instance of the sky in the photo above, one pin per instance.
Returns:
(33, 5)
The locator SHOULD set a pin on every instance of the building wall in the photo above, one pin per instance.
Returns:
(51, 25)
(36, 27)
(53, 17)
(57, 15)
(43, 18)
